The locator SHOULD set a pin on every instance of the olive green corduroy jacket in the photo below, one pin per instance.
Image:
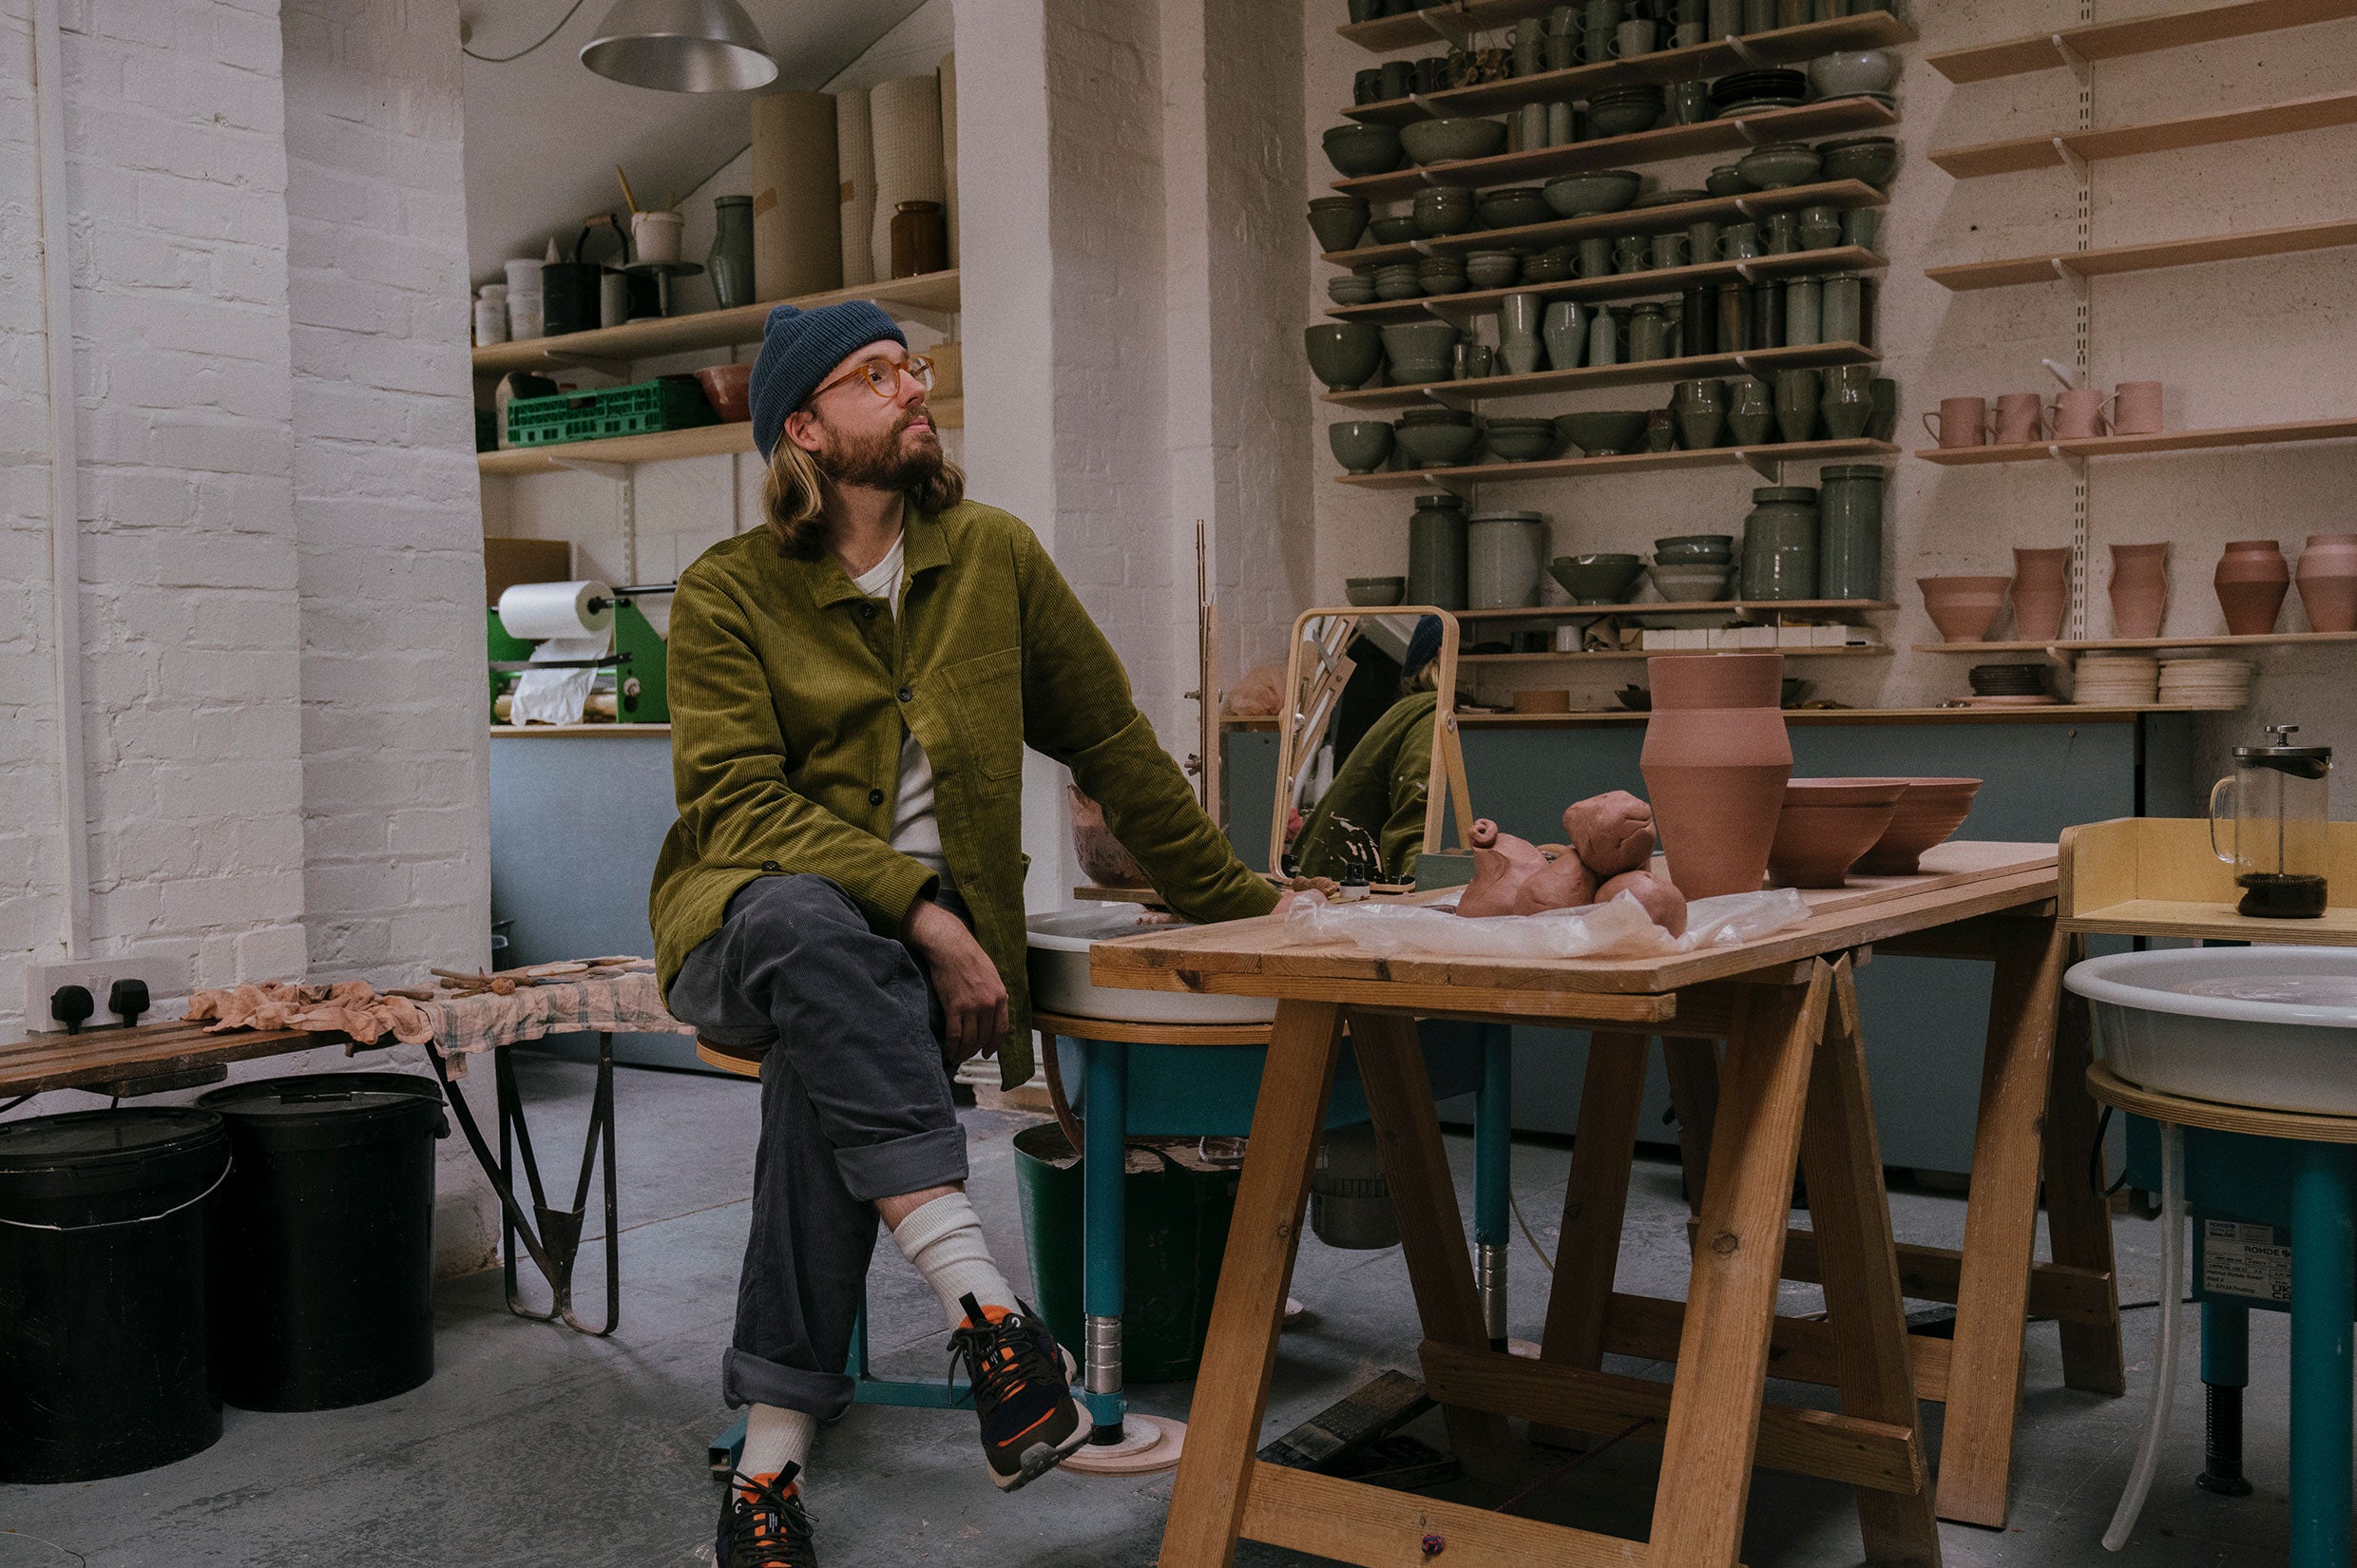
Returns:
(789, 689)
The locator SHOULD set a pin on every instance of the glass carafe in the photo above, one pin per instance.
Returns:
(2277, 801)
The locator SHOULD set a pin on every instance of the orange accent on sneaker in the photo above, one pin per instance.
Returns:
(746, 1484)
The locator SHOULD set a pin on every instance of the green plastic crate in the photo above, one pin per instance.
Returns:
(667, 403)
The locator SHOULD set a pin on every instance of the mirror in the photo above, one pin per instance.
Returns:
(1367, 751)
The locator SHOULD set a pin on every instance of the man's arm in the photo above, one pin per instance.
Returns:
(1078, 709)
(728, 767)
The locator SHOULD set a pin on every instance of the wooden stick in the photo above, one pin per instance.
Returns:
(625, 189)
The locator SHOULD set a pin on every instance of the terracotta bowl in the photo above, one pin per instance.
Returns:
(729, 389)
(1963, 607)
(1928, 814)
(1827, 823)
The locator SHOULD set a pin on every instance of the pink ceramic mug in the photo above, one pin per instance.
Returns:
(2020, 417)
(2077, 414)
(2136, 407)
(1963, 422)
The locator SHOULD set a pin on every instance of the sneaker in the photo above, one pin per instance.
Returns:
(1022, 1386)
(763, 1525)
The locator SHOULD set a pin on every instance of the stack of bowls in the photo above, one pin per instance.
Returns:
(1512, 207)
(1338, 221)
(1398, 280)
(1352, 288)
(2118, 679)
(1776, 165)
(1422, 351)
(1551, 265)
(2010, 686)
(1693, 568)
(1826, 824)
(1726, 180)
(1435, 437)
(1873, 159)
(1451, 140)
(1928, 814)
(1442, 273)
(1492, 269)
(2205, 682)
(1744, 90)
(1520, 440)
(1443, 209)
(1625, 111)
(1392, 231)
(1598, 190)
(1356, 151)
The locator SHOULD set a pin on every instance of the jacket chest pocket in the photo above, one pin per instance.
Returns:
(987, 696)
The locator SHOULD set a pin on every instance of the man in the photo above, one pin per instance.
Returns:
(1384, 784)
(852, 691)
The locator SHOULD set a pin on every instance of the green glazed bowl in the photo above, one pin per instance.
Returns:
(1374, 590)
(1392, 231)
(1525, 444)
(1513, 208)
(1356, 151)
(1437, 446)
(1449, 141)
(1360, 444)
(1873, 159)
(1595, 579)
(1344, 354)
(1605, 432)
(1338, 221)
(1583, 195)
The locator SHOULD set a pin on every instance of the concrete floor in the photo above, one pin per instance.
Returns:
(535, 1446)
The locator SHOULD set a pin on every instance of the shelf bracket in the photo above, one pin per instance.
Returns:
(618, 369)
(1431, 15)
(1743, 205)
(1743, 270)
(2077, 279)
(1749, 55)
(2080, 65)
(1762, 463)
(2072, 158)
(1744, 129)
(1743, 363)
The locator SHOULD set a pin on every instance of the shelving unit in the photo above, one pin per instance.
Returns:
(1622, 285)
(1716, 606)
(2061, 713)
(2198, 130)
(2133, 643)
(1585, 467)
(2161, 441)
(933, 293)
(2114, 259)
(1625, 654)
(1844, 194)
(2130, 36)
(656, 445)
(1741, 132)
(1761, 362)
(1779, 46)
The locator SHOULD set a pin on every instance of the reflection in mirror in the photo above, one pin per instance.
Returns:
(1369, 753)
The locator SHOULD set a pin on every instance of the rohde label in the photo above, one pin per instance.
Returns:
(2245, 1260)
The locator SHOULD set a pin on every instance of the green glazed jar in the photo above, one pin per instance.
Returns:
(1780, 544)
(1849, 530)
(1436, 552)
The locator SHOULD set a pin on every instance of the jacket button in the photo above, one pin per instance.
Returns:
(867, 612)
(907, 695)
(770, 865)
(875, 798)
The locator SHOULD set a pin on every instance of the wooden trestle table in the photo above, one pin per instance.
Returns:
(1791, 1094)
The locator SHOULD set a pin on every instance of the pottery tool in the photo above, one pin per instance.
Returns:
(635, 208)
(1208, 696)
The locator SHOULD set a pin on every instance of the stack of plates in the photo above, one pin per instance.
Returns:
(1758, 89)
(2010, 686)
(2118, 681)
(2205, 682)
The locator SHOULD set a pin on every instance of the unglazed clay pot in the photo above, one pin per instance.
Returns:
(1963, 607)
(1930, 811)
(1826, 824)
(1501, 863)
(1716, 760)
(2328, 581)
(2139, 589)
(1564, 883)
(1612, 833)
(1661, 899)
(2252, 579)
(2041, 593)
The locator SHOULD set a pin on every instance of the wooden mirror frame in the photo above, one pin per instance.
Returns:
(1307, 711)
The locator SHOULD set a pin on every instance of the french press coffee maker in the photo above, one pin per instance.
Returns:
(2278, 798)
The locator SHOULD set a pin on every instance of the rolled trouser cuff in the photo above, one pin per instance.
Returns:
(748, 1379)
(903, 1165)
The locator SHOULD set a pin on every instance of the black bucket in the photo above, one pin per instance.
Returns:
(103, 1268)
(323, 1251)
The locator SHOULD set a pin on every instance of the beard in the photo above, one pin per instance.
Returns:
(883, 461)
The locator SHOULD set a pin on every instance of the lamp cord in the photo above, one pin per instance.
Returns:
(503, 59)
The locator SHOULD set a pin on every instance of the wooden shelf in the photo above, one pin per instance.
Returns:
(2124, 643)
(2065, 712)
(1761, 362)
(1617, 152)
(932, 292)
(1717, 606)
(2161, 441)
(2132, 36)
(1670, 215)
(2114, 260)
(1554, 658)
(2200, 130)
(1783, 46)
(658, 445)
(1597, 468)
(1621, 285)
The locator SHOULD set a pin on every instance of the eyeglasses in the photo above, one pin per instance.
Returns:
(882, 375)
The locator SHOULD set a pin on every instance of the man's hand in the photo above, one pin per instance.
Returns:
(973, 998)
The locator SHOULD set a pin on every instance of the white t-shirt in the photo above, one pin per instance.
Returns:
(916, 832)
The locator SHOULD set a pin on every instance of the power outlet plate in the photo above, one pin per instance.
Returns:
(166, 978)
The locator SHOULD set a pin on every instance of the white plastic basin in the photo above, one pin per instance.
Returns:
(2270, 1026)
(1060, 984)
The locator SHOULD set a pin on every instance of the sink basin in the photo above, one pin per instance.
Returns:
(2270, 1026)
(1060, 984)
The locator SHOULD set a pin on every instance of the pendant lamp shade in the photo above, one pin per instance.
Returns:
(681, 45)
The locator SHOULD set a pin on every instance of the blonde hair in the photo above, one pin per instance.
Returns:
(794, 494)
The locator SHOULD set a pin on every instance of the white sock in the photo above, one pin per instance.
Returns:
(944, 1241)
(775, 1438)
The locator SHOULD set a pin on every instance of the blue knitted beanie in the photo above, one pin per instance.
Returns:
(798, 347)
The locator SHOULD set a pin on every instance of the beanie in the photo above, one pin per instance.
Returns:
(798, 347)
(1424, 645)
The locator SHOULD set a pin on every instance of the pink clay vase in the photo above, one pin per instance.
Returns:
(2139, 589)
(2328, 581)
(1716, 760)
(2252, 579)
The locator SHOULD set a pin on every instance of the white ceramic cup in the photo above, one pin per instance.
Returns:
(655, 236)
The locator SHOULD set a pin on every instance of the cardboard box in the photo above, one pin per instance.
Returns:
(508, 562)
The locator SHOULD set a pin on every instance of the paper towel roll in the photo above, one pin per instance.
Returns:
(949, 147)
(905, 114)
(798, 208)
(536, 610)
(854, 163)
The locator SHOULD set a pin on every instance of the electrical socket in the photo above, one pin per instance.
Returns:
(166, 978)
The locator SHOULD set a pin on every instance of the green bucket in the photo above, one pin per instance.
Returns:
(1177, 1211)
